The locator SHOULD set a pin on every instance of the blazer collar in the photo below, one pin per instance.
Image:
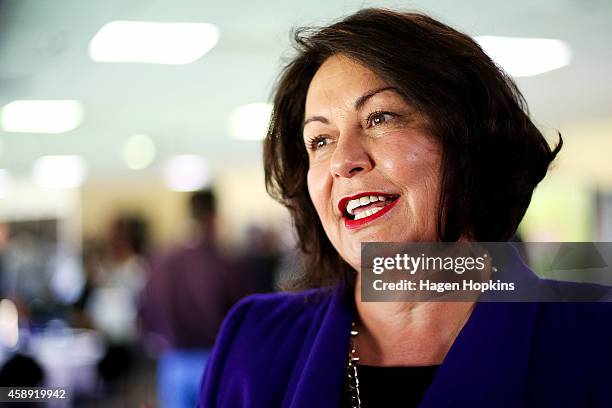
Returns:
(318, 377)
(486, 365)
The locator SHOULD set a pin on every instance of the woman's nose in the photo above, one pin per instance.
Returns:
(349, 158)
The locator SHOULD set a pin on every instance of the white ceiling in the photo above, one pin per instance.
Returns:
(43, 55)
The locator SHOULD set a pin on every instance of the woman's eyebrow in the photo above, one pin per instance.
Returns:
(359, 102)
(321, 119)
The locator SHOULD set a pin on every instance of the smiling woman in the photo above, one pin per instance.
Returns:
(428, 87)
(393, 127)
(370, 142)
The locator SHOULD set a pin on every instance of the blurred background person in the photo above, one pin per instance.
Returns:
(188, 293)
(112, 298)
(261, 260)
(118, 279)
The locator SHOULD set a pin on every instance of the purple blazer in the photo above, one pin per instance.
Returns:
(290, 350)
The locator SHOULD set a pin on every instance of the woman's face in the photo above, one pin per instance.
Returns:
(374, 172)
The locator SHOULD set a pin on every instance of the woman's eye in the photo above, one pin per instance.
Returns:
(318, 142)
(379, 118)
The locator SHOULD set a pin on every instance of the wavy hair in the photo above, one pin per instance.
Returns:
(493, 156)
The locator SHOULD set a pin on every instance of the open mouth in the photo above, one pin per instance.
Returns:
(364, 207)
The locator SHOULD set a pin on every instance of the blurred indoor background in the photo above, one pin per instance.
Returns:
(108, 123)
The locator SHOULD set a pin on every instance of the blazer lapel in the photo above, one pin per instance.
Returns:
(487, 364)
(318, 377)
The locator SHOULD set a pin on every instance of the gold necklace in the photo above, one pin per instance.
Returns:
(352, 376)
(351, 371)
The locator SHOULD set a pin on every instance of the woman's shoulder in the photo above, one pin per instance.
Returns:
(570, 349)
(260, 341)
(585, 325)
(269, 318)
(575, 302)
(578, 313)
(263, 317)
(279, 305)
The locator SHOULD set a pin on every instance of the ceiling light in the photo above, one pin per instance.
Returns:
(40, 116)
(138, 152)
(153, 43)
(250, 122)
(59, 171)
(186, 173)
(521, 57)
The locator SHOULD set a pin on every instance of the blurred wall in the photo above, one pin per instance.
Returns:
(242, 201)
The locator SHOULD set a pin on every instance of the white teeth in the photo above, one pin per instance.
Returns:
(358, 202)
(367, 213)
(352, 205)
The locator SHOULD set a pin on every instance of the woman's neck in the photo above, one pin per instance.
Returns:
(407, 333)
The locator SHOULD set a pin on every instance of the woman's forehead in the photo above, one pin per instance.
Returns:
(340, 80)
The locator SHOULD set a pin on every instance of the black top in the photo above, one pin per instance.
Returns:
(391, 386)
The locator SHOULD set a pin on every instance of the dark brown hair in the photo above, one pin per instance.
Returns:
(493, 156)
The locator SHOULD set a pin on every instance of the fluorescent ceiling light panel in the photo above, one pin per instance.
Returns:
(186, 173)
(59, 171)
(250, 122)
(152, 42)
(41, 116)
(138, 152)
(522, 57)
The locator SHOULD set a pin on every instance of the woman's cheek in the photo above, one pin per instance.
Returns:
(319, 187)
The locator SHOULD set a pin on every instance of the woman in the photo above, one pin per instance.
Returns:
(408, 112)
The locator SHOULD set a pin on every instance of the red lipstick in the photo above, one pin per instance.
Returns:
(353, 223)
